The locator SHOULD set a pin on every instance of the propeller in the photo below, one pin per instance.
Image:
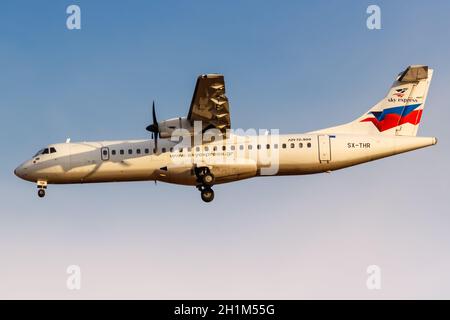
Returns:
(154, 127)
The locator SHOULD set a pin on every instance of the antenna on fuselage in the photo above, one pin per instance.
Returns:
(68, 140)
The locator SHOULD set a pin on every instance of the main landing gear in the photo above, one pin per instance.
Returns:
(206, 193)
(205, 180)
(41, 185)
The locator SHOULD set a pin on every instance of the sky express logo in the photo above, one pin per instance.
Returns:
(398, 96)
(400, 92)
(404, 100)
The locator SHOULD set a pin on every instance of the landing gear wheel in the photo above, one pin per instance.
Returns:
(41, 193)
(204, 176)
(207, 194)
(208, 179)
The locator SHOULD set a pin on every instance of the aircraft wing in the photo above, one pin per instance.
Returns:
(210, 104)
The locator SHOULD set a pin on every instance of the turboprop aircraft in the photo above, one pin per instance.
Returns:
(201, 150)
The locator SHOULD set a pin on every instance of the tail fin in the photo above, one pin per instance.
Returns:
(399, 113)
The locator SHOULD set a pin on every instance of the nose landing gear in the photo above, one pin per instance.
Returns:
(41, 193)
(205, 180)
(41, 185)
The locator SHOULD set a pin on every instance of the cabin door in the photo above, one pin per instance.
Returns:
(324, 149)
(104, 153)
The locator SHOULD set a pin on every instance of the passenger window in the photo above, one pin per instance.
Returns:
(163, 150)
(224, 148)
(197, 149)
(232, 148)
(215, 148)
(309, 145)
(113, 152)
(147, 150)
(267, 146)
(258, 146)
(241, 147)
(105, 153)
(300, 145)
(250, 147)
(292, 145)
(206, 148)
(275, 146)
(171, 149)
(138, 151)
(122, 152)
(189, 149)
(130, 151)
(283, 145)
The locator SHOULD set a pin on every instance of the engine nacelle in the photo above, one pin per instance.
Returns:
(167, 127)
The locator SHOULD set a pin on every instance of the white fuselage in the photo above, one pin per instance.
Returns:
(231, 159)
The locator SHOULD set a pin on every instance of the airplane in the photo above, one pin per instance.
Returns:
(201, 150)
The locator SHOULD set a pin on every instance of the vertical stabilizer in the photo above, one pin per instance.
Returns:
(400, 112)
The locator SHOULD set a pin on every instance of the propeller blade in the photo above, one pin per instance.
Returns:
(155, 122)
(156, 141)
(154, 127)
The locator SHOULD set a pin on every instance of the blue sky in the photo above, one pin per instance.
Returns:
(294, 66)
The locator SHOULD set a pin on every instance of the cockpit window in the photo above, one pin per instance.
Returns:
(38, 153)
(45, 151)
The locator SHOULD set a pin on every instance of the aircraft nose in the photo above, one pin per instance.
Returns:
(19, 171)
(16, 171)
